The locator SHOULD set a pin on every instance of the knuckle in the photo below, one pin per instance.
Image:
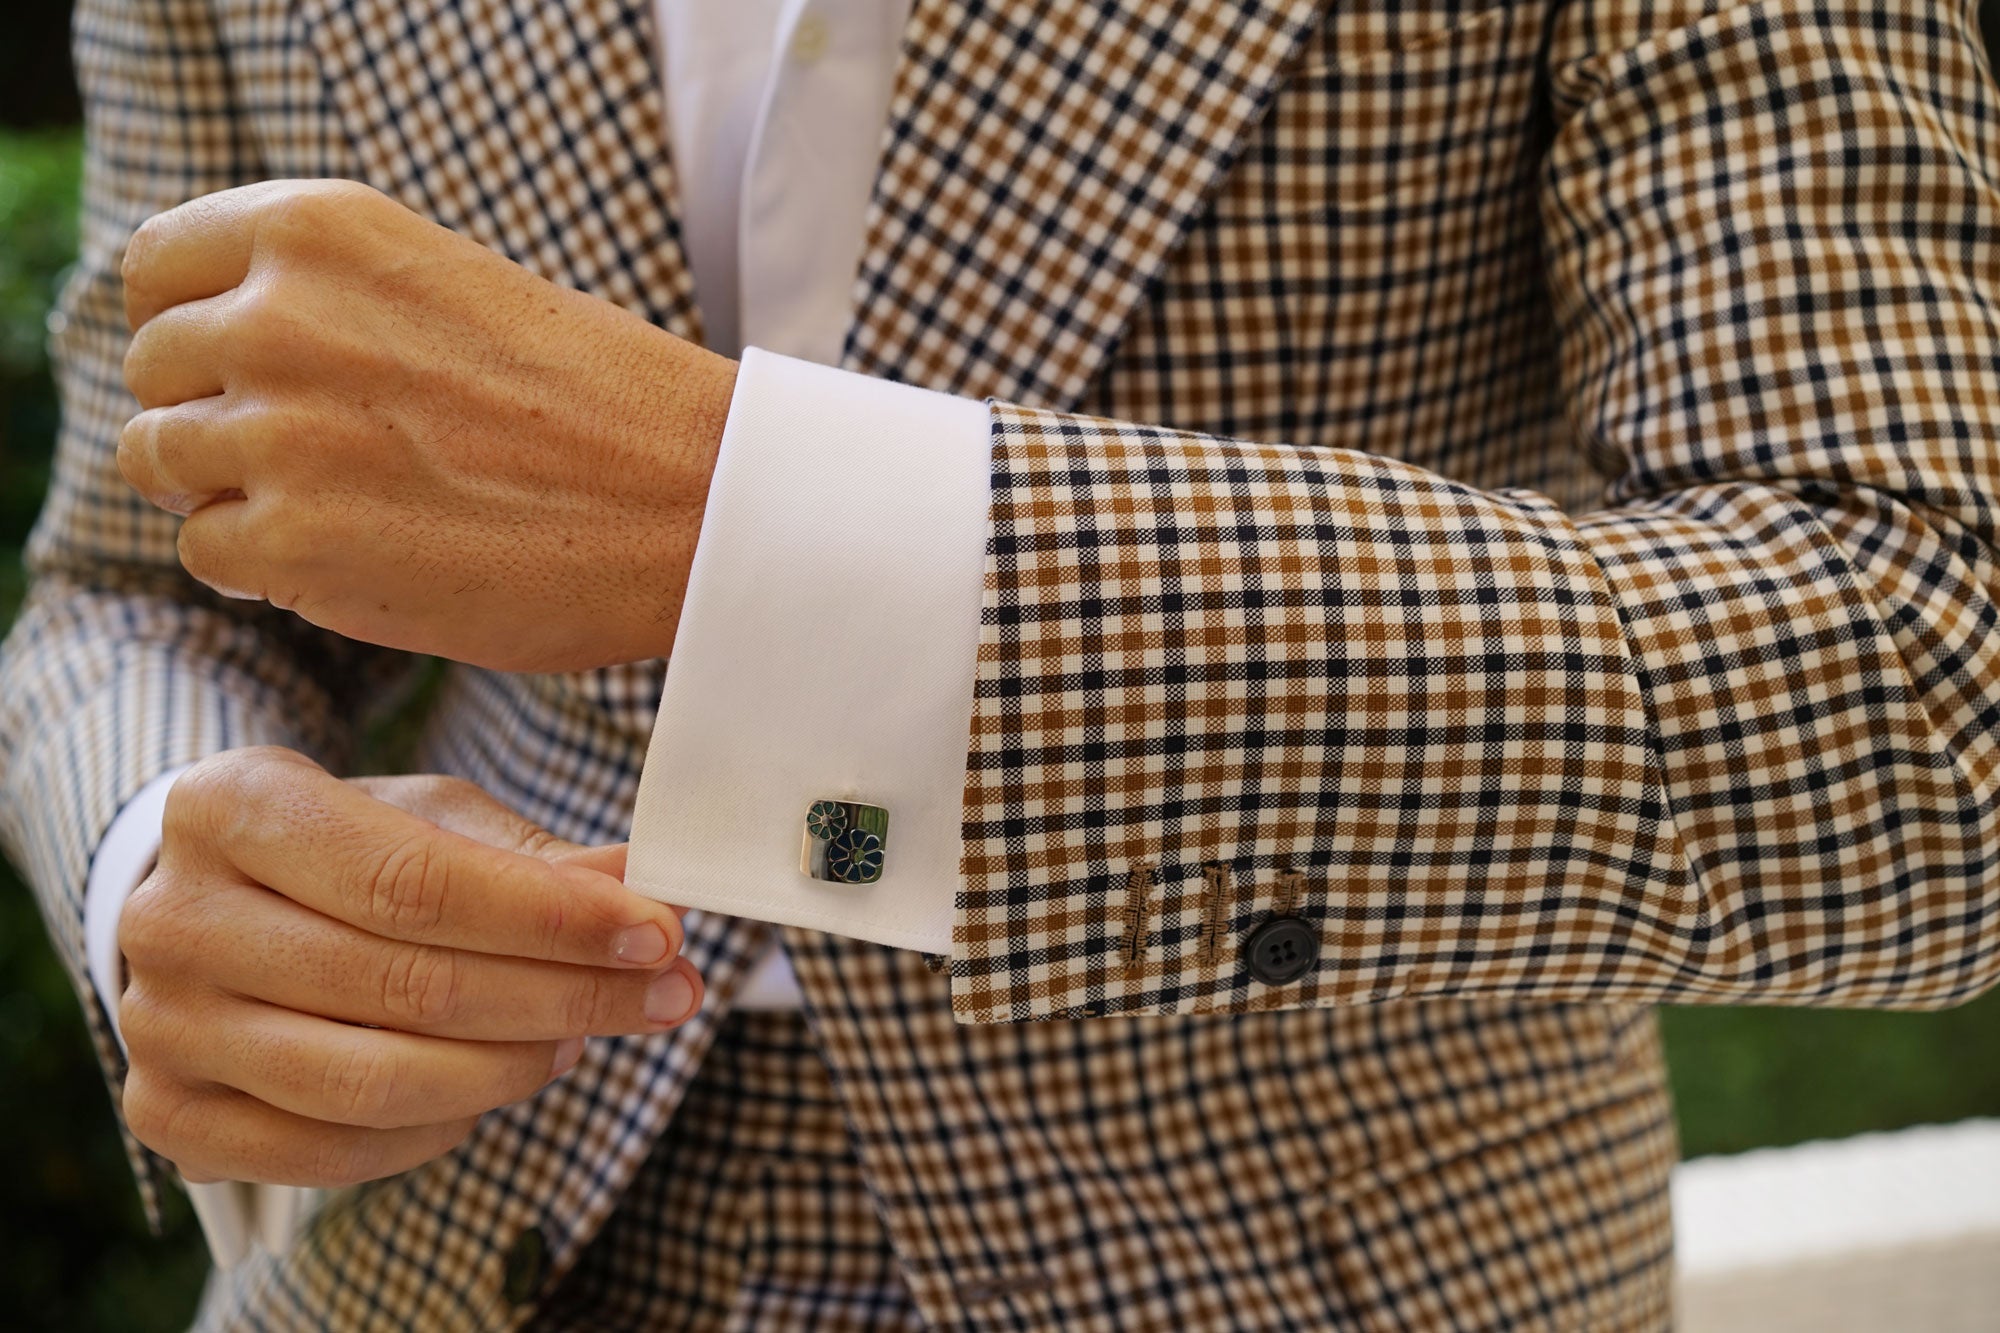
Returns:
(139, 251)
(153, 926)
(428, 795)
(381, 786)
(421, 986)
(253, 787)
(138, 365)
(205, 212)
(424, 789)
(586, 1004)
(551, 923)
(144, 1104)
(306, 215)
(337, 1161)
(208, 785)
(294, 214)
(448, 790)
(171, 445)
(289, 541)
(358, 1085)
(139, 925)
(143, 1022)
(538, 842)
(408, 889)
(333, 191)
(161, 1113)
(137, 444)
(202, 559)
(345, 194)
(221, 561)
(231, 796)
(263, 320)
(205, 801)
(261, 426)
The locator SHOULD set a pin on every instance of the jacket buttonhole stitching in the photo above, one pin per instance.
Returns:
(1138, 895)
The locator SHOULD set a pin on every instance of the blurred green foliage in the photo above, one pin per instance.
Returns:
(38, 203)
(1753, 1078)
(74, 1251)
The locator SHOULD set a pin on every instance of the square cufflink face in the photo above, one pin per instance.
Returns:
(846, 842)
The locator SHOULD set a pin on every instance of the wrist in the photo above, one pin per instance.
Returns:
(705, 387)
(712, 389)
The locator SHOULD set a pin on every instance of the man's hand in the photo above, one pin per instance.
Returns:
(410, 440)
(328, 982)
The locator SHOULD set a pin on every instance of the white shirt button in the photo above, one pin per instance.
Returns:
(809, 39)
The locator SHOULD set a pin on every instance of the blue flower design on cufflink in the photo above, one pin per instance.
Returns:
(846, 842)
(826, 820)
(855, 857)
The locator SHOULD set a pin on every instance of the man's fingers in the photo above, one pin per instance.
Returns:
(314, 964)
(217, 1133)
(207, 246)
(332, 847)
(200, 249)
(219, 545)
(181, 457)
(347, 1075)
(182, 354)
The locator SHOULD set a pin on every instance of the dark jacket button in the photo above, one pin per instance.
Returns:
(525, 1266)
(1282, 949)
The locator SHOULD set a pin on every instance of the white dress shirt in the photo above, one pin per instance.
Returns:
(826, 647)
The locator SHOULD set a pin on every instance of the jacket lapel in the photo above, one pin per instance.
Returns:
(536, 127)
(1043, 162)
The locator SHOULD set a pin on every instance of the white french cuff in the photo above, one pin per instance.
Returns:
(826, 653)
(234, 1215)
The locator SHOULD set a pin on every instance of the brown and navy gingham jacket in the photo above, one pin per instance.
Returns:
(1513, 484)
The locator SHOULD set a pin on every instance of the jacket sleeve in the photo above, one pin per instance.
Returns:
(1734, 736)
(120, 667)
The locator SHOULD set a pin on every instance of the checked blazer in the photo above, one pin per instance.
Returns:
(1510, 484)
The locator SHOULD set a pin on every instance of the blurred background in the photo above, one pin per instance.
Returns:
(74, 1251)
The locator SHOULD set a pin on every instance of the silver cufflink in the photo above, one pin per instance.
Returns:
(845, 842)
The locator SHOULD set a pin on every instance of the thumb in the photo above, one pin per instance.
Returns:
(604, 860)
(460, 807)
(601, 859)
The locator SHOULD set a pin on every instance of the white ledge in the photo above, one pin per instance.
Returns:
(1882, 1231)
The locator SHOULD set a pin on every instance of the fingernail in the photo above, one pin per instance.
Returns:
(568, 1051)
(643, 944)
(670, 998)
